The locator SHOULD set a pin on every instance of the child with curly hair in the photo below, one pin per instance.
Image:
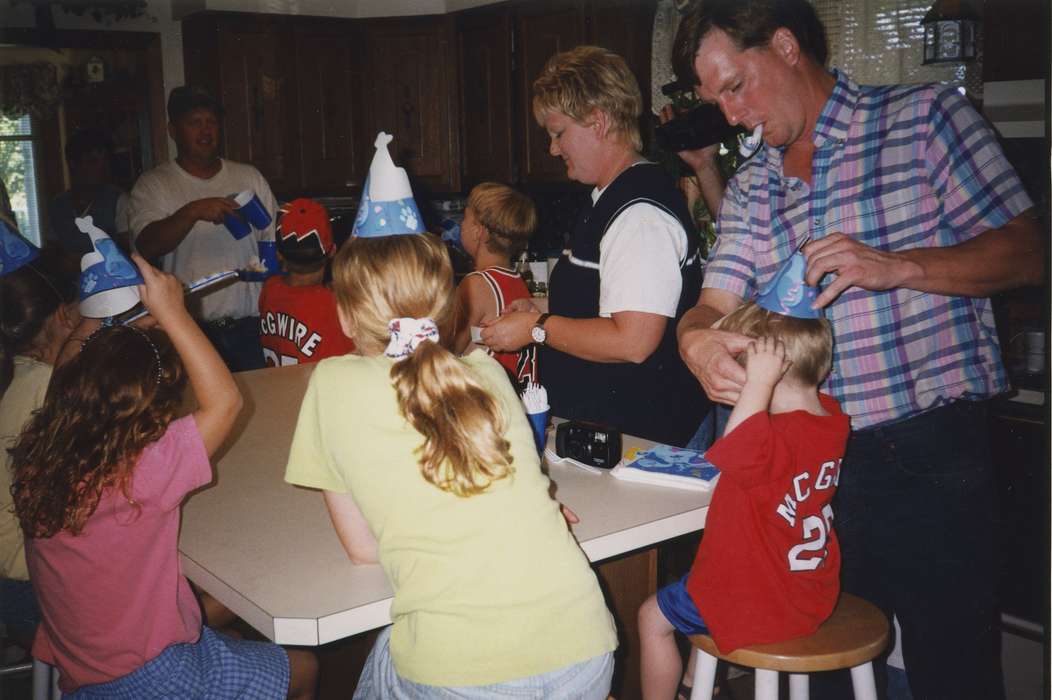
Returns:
(99, 475)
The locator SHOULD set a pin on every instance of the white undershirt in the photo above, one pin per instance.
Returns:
(639, 261)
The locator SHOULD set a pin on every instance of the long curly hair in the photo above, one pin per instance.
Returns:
(378, 279)
(101, 410)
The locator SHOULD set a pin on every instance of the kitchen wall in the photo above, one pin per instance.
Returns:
(165, 18)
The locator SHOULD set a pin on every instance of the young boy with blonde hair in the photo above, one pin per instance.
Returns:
(497, 226)
(768, 567)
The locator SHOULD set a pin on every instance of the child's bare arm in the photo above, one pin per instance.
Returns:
(765, 365)
(352, 529)
(474, 302)
(218, 397)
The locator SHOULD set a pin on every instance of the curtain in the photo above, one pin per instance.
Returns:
(879, 42)
(29, 88)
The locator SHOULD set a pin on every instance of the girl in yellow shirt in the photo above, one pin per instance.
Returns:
(428, 466)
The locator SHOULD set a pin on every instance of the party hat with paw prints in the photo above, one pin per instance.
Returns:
(788, 293)
(108, 280)
(387, 207)
(15, 251)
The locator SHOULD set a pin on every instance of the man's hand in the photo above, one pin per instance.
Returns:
(765, 362)
(855, 265)
(696, 159)
(509, 332)
(709, 354)
(211, 209)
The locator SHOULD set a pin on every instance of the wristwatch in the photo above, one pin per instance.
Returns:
(538, 333)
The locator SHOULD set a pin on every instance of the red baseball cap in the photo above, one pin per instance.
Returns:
(304, 230)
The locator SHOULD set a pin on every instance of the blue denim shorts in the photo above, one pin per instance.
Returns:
(588, 680)
(215, 667)
(679, 609)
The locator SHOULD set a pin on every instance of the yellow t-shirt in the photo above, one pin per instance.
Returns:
(488, 588)
(23, 396)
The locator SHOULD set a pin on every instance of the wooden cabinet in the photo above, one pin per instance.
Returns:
(484, 41)
(542, 29)
(333, 146)
(1015, 40)
(240, 59)
(413, 94)
(539, 29)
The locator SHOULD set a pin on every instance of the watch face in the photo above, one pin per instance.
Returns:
(539, 334)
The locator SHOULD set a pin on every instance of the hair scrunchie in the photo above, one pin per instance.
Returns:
(407, 334)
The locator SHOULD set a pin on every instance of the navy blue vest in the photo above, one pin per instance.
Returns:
(658, 399)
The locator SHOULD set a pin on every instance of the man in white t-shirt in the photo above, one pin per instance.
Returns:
(176, 216)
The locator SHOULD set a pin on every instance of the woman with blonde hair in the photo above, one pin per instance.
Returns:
(428, 466)
(631, 270)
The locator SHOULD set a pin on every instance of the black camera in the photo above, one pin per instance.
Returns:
(702, 126)
(589, 443)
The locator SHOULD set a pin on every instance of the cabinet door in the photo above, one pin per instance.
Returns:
(413, 96)
(328, 98)
(543, 29)
(254, 91)
(486, 104)
(625, 27)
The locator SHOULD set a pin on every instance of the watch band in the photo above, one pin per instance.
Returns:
(538, 325)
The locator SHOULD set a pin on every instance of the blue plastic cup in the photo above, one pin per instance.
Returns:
(539, 422)
(268, 255)
(237, 226)
(250, 214)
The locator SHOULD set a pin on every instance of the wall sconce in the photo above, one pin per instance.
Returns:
(950, 31)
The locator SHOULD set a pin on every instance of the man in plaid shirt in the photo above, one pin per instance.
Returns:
(914, 218)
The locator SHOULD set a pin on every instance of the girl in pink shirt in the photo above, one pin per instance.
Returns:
(99, 475)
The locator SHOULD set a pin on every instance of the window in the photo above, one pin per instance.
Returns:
(18, 171)
(879, 42)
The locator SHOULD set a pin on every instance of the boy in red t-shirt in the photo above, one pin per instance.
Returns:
(768, 567)
(498, 223)
(297, 311)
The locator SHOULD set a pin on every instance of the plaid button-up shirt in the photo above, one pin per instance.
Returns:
(895, 167)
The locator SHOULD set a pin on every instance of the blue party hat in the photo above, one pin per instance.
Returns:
(387, 207)
(108, 279)
(787, 293)
(15, 251)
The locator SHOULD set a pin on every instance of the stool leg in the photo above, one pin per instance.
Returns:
(56, 693)
(862, 682)
(704, 676)
(799, 686)
(41, 680)
(766, 684)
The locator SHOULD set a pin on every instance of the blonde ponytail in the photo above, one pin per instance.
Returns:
(378, 279)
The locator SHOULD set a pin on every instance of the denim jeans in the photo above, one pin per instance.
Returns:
(19, 610)
(915, 513)
(712, 427)
(587, 680)
(237, 342)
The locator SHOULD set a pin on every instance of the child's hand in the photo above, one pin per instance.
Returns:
(162, 294)
(765, 361)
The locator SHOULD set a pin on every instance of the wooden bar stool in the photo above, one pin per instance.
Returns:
(854, 634)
